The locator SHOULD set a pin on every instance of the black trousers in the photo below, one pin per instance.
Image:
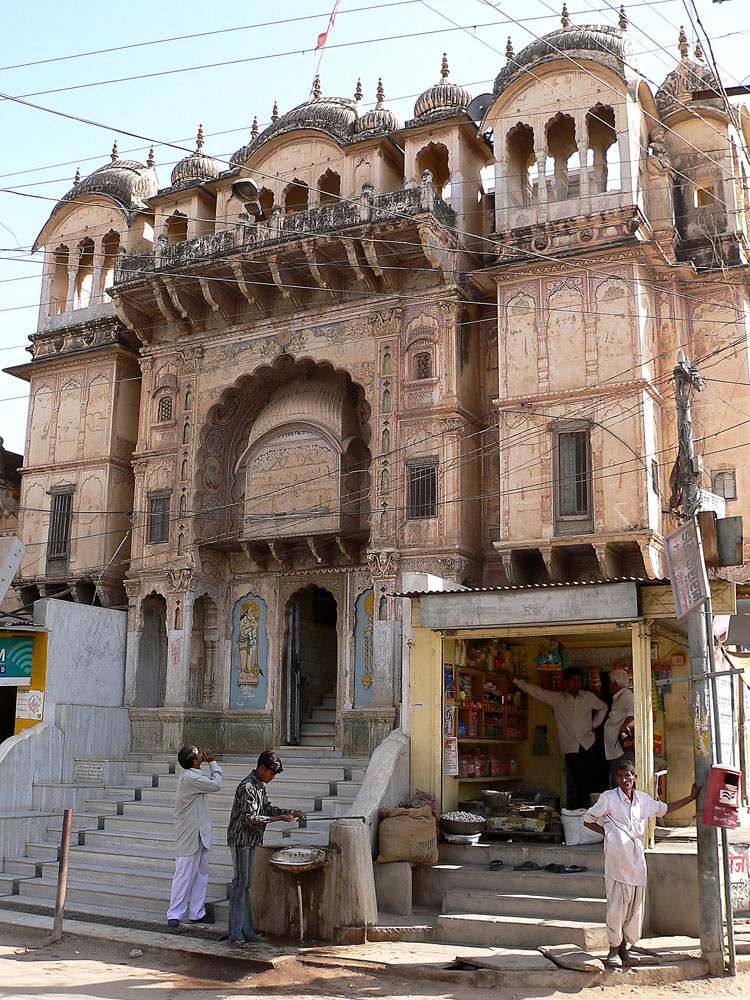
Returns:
(581, 774)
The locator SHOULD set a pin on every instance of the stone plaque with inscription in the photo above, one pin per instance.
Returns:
(89, 772)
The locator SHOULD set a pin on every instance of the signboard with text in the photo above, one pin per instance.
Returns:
(15, 660)
(687, 570)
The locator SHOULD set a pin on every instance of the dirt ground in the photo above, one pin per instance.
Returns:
(85, 969)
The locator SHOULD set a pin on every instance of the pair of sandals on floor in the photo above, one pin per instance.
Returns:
(532, 866)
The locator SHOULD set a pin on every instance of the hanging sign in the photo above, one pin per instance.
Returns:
(15, 661)
(686, 568)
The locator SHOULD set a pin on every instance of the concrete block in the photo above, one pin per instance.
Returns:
(393, 887)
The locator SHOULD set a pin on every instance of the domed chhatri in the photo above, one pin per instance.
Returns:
(127, 182)
(197, 167)
(380, 119)
(443, 100)
(333, 115)
(675, 96)
(593, 42)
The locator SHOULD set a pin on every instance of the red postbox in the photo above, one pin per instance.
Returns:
(722, 796)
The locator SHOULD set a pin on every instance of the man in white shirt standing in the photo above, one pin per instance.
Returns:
(622, 816)
(192, 832)
(577, 714)
(619, 721)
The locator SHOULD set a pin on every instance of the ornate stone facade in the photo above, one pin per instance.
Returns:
(267, 392)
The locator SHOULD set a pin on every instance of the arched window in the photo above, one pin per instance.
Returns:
(164, 409)
(383, 608)
(186, 433)
(561, 145)
(58, 295)
(520, 145)
(265, 197)
(188, 398)
(176, 228)
(423, 365)
(296, 198)
(434, 157)
(110, 243)
(600, 125)
(329, 186)
(84, 283)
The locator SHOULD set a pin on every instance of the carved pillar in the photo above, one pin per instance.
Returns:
(133, 642)
(45, 302)
(583, 175)
(590, 348)
(96, 292)
(542, 355)
(71, 288)
(541, 187)
(386, 665)
(179, 630)
(501, 196)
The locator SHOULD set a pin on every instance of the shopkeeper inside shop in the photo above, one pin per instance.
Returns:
(577, 714)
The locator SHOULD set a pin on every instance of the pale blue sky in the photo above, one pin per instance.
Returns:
(401, 41)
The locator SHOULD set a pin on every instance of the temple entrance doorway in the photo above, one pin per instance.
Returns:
(310, 669)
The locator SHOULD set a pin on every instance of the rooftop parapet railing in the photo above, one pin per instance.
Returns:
(345, 214)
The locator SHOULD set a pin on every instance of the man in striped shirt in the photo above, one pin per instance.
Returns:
(251, 811)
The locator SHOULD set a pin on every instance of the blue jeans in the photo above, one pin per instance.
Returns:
(240, 917)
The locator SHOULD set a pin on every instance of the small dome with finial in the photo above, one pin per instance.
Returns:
(623, 22)
(77, 178)
(113, 154)
(380, 119)
(197, 167)
(255, 131)
(675, 96)
(509, 53)
(565, 19)
(358, 91)
(443, 100)
(333, 115)
(151, 162)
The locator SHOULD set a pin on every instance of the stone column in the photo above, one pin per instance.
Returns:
(45, 302)
(133, 643)
(72, 271)
(96, 292)
(386, 636)
(541, 187)
(583, 175)
(178, 647)
(501, 196)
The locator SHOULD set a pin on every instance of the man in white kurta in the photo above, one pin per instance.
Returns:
(577, 714)
(192, 831)
(619, 721)
(622, 816)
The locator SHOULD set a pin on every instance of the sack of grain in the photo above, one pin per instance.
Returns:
(408, 835)
(575, 831)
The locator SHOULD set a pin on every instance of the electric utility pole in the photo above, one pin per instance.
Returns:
(686, 380)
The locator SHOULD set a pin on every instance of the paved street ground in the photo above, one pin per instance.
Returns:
(87, 969)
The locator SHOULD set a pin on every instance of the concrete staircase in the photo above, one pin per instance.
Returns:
(513, 909)
(122, 849)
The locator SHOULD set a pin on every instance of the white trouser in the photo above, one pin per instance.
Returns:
(624, 912)
(189, 886)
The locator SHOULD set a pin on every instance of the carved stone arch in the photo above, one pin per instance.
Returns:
(226, 431)
(434, 156)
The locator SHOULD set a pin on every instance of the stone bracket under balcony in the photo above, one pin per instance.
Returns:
(373, 243)
(582, 557)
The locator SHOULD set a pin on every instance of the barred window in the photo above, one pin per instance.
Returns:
(164, 411)
(158, 517)
(61, 512)
(724, 483)
(574, 474)
(423, 365)
(422, 488)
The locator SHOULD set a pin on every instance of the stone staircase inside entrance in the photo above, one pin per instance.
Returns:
(122, 848)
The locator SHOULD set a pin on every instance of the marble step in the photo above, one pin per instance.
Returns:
(82, 869)
(431, 882)
(590, 856)
(519, 904)
(517, 931)
(143, 896)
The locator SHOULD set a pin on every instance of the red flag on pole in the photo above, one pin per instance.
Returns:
(323, 36)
